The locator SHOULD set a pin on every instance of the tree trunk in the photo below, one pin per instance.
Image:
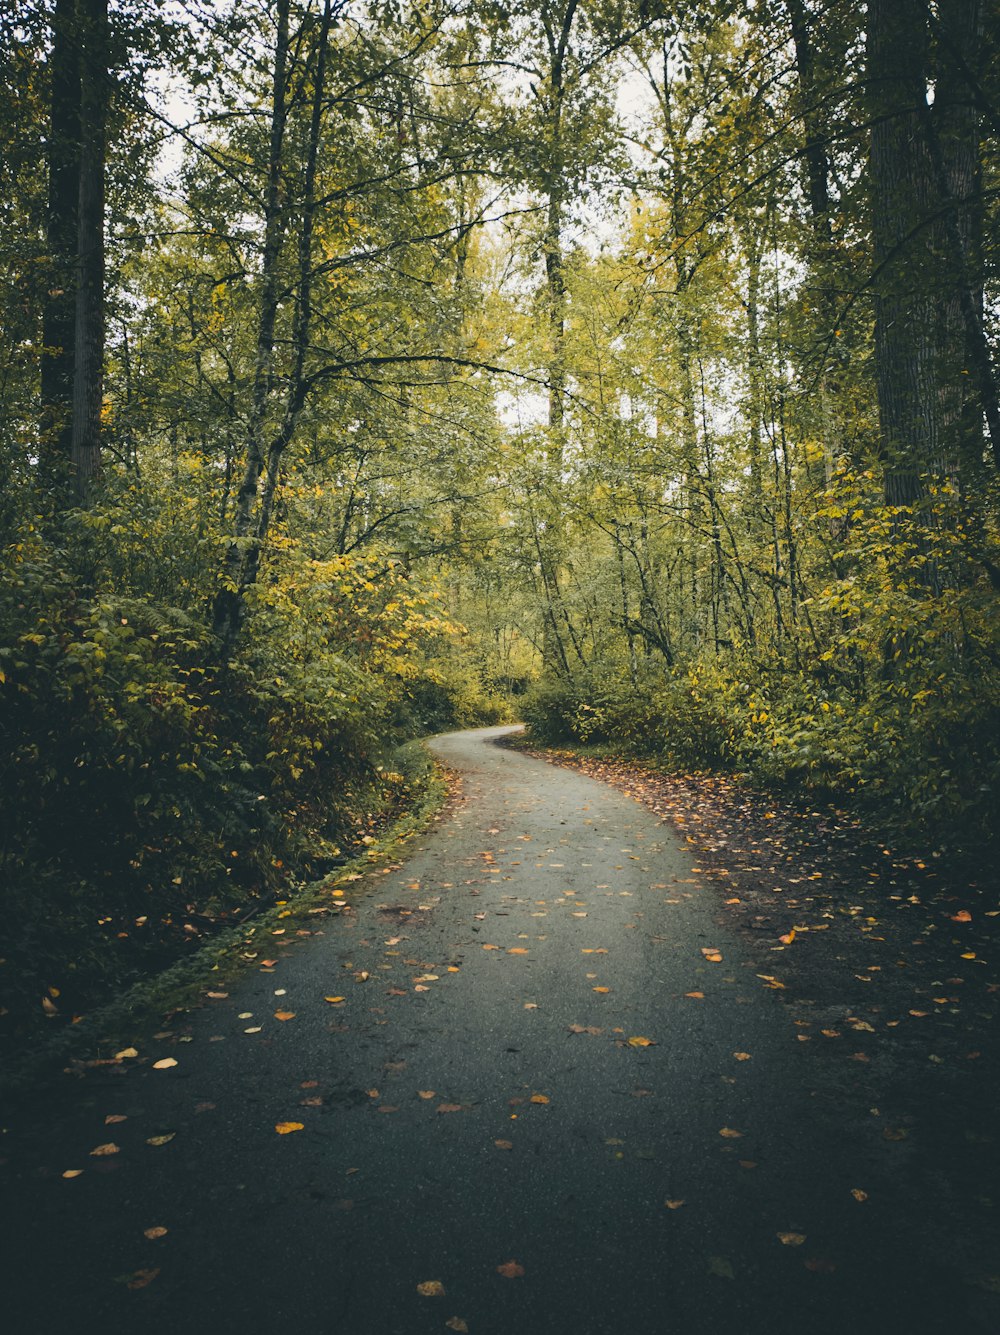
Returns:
(59, 313)
(88, 378)
(913, 297)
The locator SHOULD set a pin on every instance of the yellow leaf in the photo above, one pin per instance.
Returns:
(73, 1172)
(729, 1134)
(102, 1151)
(641, 1042)
(284, 1015)
(456, 1323)
(673, 1205)
(792, 1239)
(286, 1128)
(431, 1288)
(711, 954)
(164, 1063)
(602, 989)
(517, 950)
(334, 1001)
(161, 1140)
(539, 1098)
(742, 1056)
(858, 1194)
(425, 1093)
(698, 996)
(125, 1053)
(153, 1233)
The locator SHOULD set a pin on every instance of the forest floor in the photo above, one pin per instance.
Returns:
(555, 1071)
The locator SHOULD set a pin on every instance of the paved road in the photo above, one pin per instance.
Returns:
(455, 1119)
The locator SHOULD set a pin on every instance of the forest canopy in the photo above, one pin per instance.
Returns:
(371, 369)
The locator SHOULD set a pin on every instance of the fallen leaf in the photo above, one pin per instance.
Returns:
(539, 1098)
(584, 1029)
(747, 1163)
(125, 1053)
(334, 1001)
(286, 1128)
(425, 1093)
(640, 1042)
(387, 1108)
(217, 996)
(673, 1205)
(284, 1015)
(448, 1108)
(963, 915)
(697, 996)
(431, 1288)
(112, 1118)
(601, 989)
(456, 1323)
(742, 1056)
(141, 1278)
(488, 947)
(102, 1151)
(504, 1144)
(728, 1133)
(858, 1194)
(73, 1172)
(268, 964)
(711, 954)
(161, 1140)
(254, 1029)
(895, 1133)
(510, 1270)
(791, 1239)
(164, 1063)
(153, 1233)
(517, 950)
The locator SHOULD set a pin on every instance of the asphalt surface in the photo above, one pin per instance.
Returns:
(534, 1062)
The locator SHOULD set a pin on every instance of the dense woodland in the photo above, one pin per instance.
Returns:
(629, 368)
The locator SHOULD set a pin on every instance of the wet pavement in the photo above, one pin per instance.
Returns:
(532, 1067)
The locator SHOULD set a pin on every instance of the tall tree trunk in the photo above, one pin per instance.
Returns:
(255, 504)
(906, 266)
(228, 609)
(88, 377)
(59, 312)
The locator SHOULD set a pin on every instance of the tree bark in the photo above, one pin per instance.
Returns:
(906, 267)
(88, 376)
(59, 312)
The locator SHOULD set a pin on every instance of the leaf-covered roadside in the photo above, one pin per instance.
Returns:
(887, 962)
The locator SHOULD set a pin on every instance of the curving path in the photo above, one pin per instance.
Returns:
(534, 1062)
